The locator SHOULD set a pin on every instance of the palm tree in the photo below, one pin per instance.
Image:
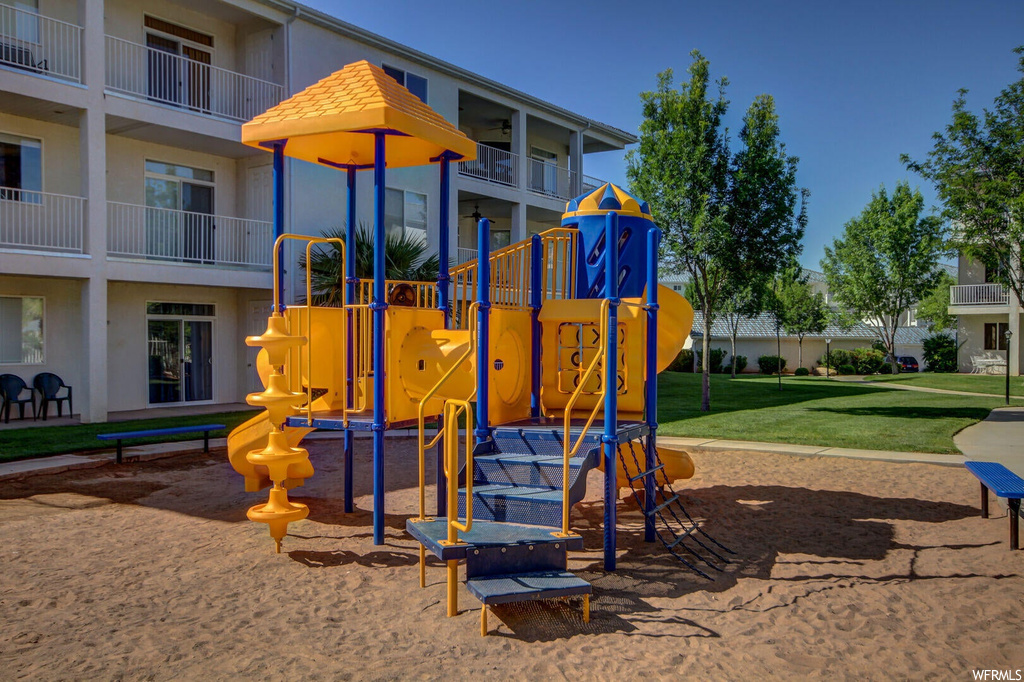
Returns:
(405, 258)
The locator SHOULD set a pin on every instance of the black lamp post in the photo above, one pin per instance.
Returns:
(828, 355)
(1008, 334)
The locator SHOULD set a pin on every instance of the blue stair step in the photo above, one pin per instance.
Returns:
(485, 535)
(526, 469)
(532, 505)
(504, 589)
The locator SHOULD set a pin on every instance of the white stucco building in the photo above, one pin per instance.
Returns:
(985, 311)
(134, 225)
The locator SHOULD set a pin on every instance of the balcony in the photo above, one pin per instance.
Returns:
(161, 234)
(41, 45)
(550, 180)
(158, 76)
(978, 294)
(41, 221)
(492, 165)
(590, 183)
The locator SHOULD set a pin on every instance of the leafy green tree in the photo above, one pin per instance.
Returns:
(804, 312)
(741, 303)
(977, 167)
(934, 307)
(406, 258)
(725, 220)
(885, 261)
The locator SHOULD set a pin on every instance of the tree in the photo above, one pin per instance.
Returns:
(741, 303)
(977, 167)
(885, 261)
(724, 220)
(803, 310)
(405, 258)
(934, 307)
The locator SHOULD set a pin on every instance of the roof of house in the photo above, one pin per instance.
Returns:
(327, 123)
(763, 327)
(404, 51)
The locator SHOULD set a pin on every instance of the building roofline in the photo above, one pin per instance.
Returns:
(329, 22)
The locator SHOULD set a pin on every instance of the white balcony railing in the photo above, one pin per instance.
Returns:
(182, 236)
(179, 81)
(465, 255)
(41, 221)
(493, 165)
(39, 44)
(590, 183)
(978, 294)
(550, 179)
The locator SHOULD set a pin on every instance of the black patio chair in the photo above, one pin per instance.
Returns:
(11, 388)
(49, 384)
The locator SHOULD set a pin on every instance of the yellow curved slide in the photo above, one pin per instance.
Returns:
(678, 465)
(675, 319)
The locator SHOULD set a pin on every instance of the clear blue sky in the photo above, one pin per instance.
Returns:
(856, 83)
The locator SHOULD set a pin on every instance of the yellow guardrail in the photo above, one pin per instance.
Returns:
(571, 448)
(423, 447)
(422, 294)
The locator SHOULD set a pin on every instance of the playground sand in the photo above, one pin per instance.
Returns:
(842, 568)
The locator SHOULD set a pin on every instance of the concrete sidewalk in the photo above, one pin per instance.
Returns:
(997, 438)
(854, 379)
(141, 453)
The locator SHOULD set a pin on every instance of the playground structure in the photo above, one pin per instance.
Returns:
(548, 349)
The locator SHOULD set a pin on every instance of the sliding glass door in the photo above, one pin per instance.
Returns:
(180, 359)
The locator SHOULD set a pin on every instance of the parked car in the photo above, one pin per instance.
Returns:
(907, 363)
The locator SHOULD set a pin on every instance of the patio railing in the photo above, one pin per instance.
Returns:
(550, 179)
(183, 236)
(978, 294)
(41, 220)
(156, 75)
(39, 44)
(492, 165)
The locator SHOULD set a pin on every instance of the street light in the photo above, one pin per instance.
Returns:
(1008, 334)
(828, 355)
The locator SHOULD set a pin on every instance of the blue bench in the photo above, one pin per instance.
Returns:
(155, 433)
(1003, 483)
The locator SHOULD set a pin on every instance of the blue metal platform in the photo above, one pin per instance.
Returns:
(484, 534)
(334, 420)
(503, 589)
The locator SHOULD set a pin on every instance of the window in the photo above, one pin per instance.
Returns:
(995, 335)
(417, 85)
(178, 65)
(179, 214)
(405, 213)
(21, 168)
(180, 352)
(21, 330)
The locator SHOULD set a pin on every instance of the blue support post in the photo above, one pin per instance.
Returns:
(443, 292)
(483, 430)
(279, 219)
(610, 439)
(536, 298)
(378, 306)
(350, 337)
(651, 386)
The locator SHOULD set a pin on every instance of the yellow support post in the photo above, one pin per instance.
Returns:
(586, 608)
(483, 620)
(453, 588)
(423, 566)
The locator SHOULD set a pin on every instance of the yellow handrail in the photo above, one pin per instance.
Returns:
(571, 449)
(423, 447)
(452, 409)
(310, 241)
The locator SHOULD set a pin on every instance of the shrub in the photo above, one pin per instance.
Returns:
(741, 364)
(866, 360)
(839, 357)
(769, 364)
(886, 368)
(683, 362)
(714, 361)
(801, 372)
(847, 369)
(940, 353)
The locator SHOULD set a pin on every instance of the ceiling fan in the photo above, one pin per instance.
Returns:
(505, 126)
(476, 215)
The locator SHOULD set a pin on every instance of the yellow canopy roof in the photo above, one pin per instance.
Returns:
(329, 122)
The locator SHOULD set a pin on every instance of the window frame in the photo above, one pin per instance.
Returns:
(404, 82)
(181, 319)
(43, 325)
(1000, 335)
(42, 171)
(147, 174)
(405, 203)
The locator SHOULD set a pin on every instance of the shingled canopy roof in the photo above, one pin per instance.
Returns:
(328, 123)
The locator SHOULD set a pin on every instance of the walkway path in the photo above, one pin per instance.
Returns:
(997, 438)
(923, 389)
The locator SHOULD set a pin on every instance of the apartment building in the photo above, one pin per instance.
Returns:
(134, 225)
(985, 311)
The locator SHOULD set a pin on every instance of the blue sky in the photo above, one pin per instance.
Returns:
(856, 83)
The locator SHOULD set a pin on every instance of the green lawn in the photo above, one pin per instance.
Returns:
(973, 383)
(55, 440)
(817, 411)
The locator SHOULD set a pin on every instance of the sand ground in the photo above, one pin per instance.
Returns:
(842, 569)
